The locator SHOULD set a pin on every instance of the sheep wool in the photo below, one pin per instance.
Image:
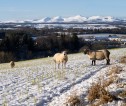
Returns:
(98, 55)
(12, 64)
(60, 58)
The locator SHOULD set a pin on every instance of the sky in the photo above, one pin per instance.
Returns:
(37, 9)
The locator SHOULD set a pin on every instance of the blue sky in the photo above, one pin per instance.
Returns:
(32, 9)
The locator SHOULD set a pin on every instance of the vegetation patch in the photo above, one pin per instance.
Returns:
(115, 70)
(122, 59)
(123, 94)
(73, 101)
(98, 95)
(109, 81)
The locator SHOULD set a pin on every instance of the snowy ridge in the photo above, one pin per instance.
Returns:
(72, 19)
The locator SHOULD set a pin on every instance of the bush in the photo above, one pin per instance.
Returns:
(98, 95)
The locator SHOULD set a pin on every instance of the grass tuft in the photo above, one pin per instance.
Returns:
(122, 59)
(73, 101)
(98, 95)
(115, 70)
(123, 94)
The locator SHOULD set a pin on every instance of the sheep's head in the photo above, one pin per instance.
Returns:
(86, 51)
(64, 53)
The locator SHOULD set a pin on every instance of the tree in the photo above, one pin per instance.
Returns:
(75, 41)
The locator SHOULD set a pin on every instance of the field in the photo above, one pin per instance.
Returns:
(37, 82)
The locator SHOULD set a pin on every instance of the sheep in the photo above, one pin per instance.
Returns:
(60, 58)
(12, 64)
(98, 55)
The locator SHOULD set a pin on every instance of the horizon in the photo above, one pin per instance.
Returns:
(30, 9)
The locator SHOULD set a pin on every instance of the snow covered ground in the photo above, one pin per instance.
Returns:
(36, 82)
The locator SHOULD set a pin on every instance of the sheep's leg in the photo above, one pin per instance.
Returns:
(64, 64)
(55, 65)
(108, 61)
(93, 62)
(58, 65)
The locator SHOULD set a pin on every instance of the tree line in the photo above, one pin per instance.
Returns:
(19, 45)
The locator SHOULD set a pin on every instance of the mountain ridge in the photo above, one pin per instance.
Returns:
(71, 19)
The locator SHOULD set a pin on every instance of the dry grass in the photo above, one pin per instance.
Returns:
(124, 104)
(106, 83)
(106, 98)
(103, 100)
(120, 85)
(73, 101)
(115, 70)
(123, 94)
(122, 59)
(93, 92)
(98, 95)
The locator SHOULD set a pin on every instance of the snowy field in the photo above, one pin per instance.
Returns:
(36, 82)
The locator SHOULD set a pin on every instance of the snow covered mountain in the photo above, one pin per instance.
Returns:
(101, 19)
(72, 19)
(77, 18)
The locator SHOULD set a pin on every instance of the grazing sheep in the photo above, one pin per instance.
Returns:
(60, 58)
(98, 55)
(12, 64)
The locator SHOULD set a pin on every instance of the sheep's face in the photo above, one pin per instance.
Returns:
(65, 53)
(86, 51)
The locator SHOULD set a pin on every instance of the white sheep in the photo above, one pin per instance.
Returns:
(12, 64)
(60, 58)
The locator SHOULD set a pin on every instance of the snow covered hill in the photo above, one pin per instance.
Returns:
(36, 82)
(72, 19)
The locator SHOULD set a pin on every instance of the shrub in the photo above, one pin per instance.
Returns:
(98, 95)
(93, 92)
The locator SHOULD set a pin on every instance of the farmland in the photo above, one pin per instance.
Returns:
(37, 82)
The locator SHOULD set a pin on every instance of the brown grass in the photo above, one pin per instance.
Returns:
(124, 104)
(123, 94)
(115, 70)
(120, 85)
(93, 92)
(98, 95)
(106, 83)
(106, 98)
(122, 59)
(103, 100)
(73, 100)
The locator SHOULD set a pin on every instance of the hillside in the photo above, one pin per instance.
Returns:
(36, 82)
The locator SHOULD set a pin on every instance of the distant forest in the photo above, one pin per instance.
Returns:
(29, 43)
